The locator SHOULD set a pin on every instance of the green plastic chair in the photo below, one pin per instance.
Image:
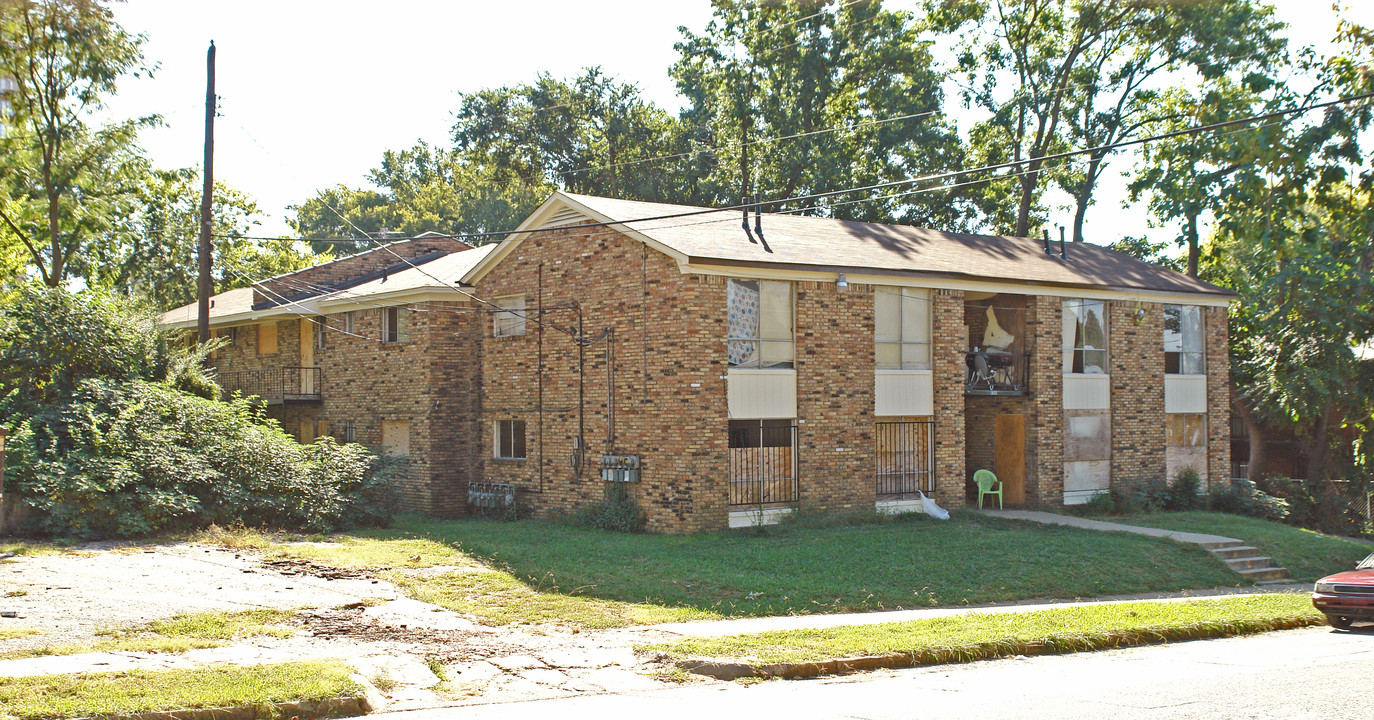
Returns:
(986, 482)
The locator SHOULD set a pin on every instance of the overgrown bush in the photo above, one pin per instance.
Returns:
(1316, 506)
(1241, 497)
(115, 430)
(1117, 499)
(617, 511)
(127, 459)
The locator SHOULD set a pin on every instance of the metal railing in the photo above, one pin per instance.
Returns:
(996, 373)
(906, 458)
(283, 384)
(762, 465)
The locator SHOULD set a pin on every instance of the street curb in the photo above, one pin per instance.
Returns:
(328, 708)
(724, 670)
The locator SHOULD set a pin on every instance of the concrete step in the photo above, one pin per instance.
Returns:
(1227, 545)
(1236, 551)
(1248, 563)
(1278, 581)
(1266, 573)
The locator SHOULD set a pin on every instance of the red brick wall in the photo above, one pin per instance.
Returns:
(947, 362)
(1214, 323)
(1045, 450)
(669, 379)
(1136, 358)
(835, 362)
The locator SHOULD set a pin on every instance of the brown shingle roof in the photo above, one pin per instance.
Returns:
(850, 246)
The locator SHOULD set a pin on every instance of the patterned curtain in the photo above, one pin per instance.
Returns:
(742, 298)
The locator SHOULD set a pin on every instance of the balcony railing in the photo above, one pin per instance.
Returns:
(273, 385)
(990, 372)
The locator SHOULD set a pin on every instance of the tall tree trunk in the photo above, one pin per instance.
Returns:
(1254, 433)
(1085, 196)
(1028, 183)
(1316, 454)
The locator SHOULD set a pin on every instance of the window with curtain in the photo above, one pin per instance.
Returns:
(759, 324)
(1085, 336)
(1183, 352)
(901, 328)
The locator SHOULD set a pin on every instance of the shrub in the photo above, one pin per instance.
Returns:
(1184, 490)
(1117, 499)
(617, 511)
(121, 459)
(1241, 497)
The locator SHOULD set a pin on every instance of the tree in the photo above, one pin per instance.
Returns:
(794, 99)
(150, 250)
(421, 189)
(64, 173)
(1077, 74)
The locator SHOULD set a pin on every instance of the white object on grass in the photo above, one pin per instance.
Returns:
(931, 508)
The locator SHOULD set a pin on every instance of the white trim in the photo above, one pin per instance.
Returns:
(900, 278)
(899, 393)
(758, 517)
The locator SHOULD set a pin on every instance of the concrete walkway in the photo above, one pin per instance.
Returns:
(1203, 539)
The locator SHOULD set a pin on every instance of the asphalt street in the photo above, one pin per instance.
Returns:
(1309, 673)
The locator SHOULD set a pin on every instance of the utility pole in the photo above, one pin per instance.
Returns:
(206, 286)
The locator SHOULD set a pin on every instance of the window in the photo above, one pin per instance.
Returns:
(760, 324)
(395, 322)
(762, 464)
(318, 324)
(1085, 337)
(510, 320)
(348, 323)
(1185, 443)
(901, 328)
(267, 338)
(350, 432)
(1183, 354)
(510, 439)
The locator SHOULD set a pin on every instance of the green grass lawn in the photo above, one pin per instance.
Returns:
(96, 694)
(1308, 555)
(182, 632)
(538, 572)
(980, 636)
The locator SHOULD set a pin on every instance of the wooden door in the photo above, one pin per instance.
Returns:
(307, 357)
(1009, 448)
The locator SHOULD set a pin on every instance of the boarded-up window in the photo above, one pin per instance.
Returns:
(510, 439)
(396, 437)
(1185, 443)
(1087, 453)
(267, 338)
(901, 325)
(509, 321)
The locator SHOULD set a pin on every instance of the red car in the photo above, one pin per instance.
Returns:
(1347, 597)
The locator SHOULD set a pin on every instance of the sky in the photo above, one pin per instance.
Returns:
(313, 92)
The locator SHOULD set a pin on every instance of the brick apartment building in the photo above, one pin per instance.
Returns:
(728, 374)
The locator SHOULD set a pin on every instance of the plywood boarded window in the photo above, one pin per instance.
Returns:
(396, 437)
(510, 439)
(1185, 443)
(901, 328)
(509, 321)
(1087, 453)
(762, 465)
(267, 338)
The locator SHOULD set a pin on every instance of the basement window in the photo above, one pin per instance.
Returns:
(510, 439)
(509, 321)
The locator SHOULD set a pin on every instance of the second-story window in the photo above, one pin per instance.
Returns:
(1183, 352)
(759, 315)
(509, 321)
(901, 328)
(1085, 337)
(348, 323)
(395, 324)
(267, 338)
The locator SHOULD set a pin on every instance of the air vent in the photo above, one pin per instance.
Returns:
(566, 216)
